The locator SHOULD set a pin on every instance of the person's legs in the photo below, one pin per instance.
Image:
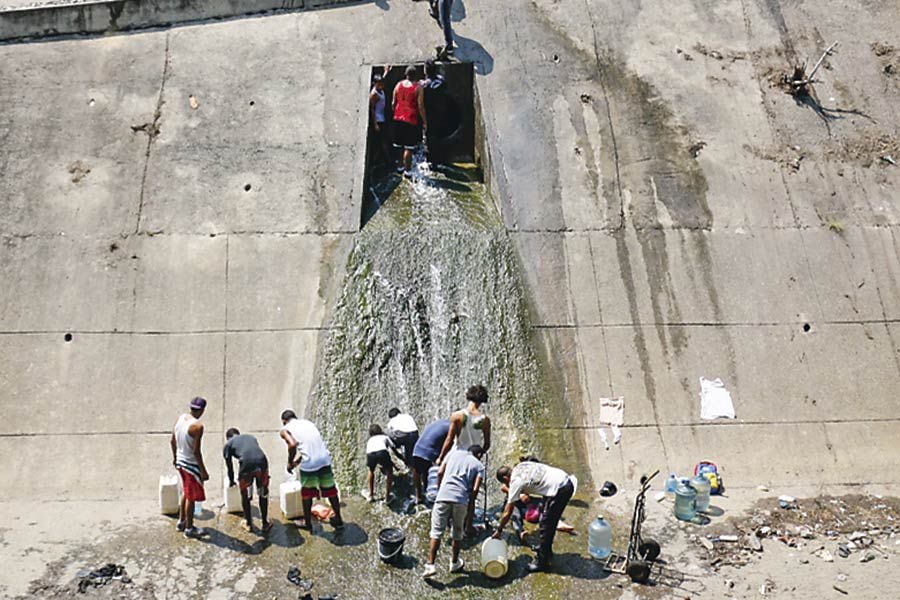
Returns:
(262, 488)
(309, 489)
(329, 490)
(407, 159)
(440, 515)
(245, 505)
(370, 479)
(420, 475)
(409, 446)
(457, 527)
(553, 510)
(389, 477)
(445, 6)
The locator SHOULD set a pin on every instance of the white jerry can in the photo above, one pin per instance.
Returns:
(291, 499)
(232, 495)
(169, 494)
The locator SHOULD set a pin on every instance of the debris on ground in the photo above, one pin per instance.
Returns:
(828, 528)
(100, 577)
(798, 81)
(293, 575)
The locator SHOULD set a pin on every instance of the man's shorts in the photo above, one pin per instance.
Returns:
(191, 486)
(260, 476)
(406, 136)
(421, 465)
(406, 441)
(444, 512)
(379, 459)
(317, 484)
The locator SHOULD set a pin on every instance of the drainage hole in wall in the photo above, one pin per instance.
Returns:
(247, 187)
(806, 327)
(68, 337)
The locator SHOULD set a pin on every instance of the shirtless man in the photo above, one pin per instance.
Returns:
(188, 460)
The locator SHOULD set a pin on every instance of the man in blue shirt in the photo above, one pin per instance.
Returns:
(426, 451)
(460, 478)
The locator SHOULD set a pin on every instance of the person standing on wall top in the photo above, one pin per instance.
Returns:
(307, 449)
(426, 451)
(187, 457)
(460, 478)
(253, 466)
(405, 106)
(377, 107)
(534, 478)
(470, 425)
(404, 432)
(444, 8)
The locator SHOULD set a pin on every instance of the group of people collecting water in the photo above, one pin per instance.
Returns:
(419, 107)
(457, 446)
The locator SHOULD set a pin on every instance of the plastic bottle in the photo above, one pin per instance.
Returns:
(671, 484)
(431, 489)
(685, 502)
(599, 538)
(702, 486)
(198, 509)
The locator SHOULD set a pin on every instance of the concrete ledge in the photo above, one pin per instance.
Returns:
(97, 17)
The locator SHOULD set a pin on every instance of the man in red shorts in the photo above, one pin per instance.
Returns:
(253, 467)
(188, 460)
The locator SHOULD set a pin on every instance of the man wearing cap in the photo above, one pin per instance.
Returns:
(534, 478)
(187, 457)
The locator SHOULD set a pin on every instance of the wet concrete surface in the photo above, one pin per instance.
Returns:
(676, 215)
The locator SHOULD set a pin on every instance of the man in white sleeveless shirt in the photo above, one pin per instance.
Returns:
(307, 450)
(188, 460)
(469, 426)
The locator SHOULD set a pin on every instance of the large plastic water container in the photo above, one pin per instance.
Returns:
(494, 558)
(702, 486)
(291, 499)
(431, 489)
(232, 494)
(169, 499)
(671, 484)
(599, 538)
(685, 502)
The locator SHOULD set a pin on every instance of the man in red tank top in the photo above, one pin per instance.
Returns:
(407, 117)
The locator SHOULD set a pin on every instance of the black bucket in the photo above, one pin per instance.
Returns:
(390, 545)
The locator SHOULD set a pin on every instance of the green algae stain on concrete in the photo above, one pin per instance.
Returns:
(432, 303)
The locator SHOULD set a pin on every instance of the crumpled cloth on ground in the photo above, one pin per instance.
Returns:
(102, 576)
(715, 400)
(293, 575)
(612, 413)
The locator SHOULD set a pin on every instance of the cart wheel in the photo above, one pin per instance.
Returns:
(639, 571)
(649, 549)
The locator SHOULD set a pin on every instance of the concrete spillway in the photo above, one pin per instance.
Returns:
(432, 302)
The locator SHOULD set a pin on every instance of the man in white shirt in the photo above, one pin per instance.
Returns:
(537, 479)
(316, 477)
(404, 432)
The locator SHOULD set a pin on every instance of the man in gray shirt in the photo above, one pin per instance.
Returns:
(459, 478)
(254, 467)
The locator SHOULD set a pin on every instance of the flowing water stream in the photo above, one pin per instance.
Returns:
(432, 303)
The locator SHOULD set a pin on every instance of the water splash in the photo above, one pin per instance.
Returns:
(432, 303)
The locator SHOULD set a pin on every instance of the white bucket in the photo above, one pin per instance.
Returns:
(169, 495)
(494, 561)
(232, 494)
(291, 499)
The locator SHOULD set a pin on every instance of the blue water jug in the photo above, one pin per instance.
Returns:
(685, 502)
(702, 486)
(431, 489)
(671, 484)
(599, 538)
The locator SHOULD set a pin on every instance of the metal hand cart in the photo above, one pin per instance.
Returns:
(641, 552)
